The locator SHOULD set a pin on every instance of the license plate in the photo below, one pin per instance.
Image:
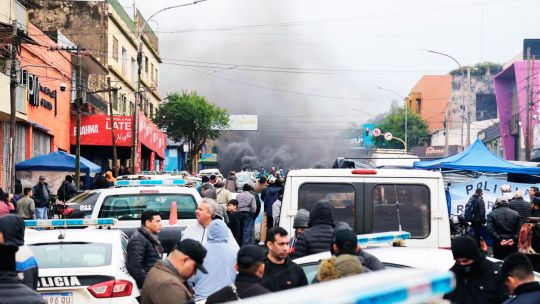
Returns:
(58, 298)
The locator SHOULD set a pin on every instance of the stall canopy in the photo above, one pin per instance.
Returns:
(57, 161)
(476, 158)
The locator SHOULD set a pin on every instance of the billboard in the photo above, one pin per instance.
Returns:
(243, 123)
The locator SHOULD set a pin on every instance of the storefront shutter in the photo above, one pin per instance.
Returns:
(20, 151)
(41, 143)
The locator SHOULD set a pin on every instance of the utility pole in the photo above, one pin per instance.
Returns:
(13, 105)
(78, 101)
(468, 106)
(446, 119)
(114, 167)
(528, 108)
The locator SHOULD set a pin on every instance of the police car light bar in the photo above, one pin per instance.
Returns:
(70, 223)
(382, 237)
(389, 286)
(150, 182)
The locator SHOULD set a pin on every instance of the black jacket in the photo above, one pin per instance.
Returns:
(257, 201)
(318, 237)
(481, 284)
(101, 183)
(14, 292)
(235, 225)
(66, 191)
(39, 197)
(142, 254)
(526, 294)
(247, 285)
(522, 207)
(278, 277)
(503, 223)
(479, 209)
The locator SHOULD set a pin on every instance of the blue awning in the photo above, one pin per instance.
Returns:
(57, 161)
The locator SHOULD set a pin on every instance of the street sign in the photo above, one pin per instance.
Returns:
(376, 132)
(388, 136)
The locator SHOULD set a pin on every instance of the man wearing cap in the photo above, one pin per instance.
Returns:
(250, 266)
(41, 195)
(301, 220)
(517, 271)
(346, 242)
(478, 280)
(167, 281)
(503, 224)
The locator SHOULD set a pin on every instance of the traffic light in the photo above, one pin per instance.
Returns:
(367, 132)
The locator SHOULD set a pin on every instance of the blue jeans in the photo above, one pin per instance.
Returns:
(41, 213)
(248, 223)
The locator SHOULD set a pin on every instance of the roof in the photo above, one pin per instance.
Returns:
(476, 158)
(379, 173)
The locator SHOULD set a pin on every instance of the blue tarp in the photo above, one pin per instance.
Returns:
(476, 158)
(57, 161)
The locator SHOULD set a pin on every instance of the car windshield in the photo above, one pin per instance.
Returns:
(72, 255)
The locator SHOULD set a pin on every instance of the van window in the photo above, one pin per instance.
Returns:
(414, 209)
(341, 196)
(130, 207)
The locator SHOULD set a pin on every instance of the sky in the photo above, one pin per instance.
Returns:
(314, 66)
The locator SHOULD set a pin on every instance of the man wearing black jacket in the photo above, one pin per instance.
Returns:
(517, 271)
(479, 212)
(318, 237)
(280, 272)
(521, 206)
(503, 224)
(346, 242)
(250, 265)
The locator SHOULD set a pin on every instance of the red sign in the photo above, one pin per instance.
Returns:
(152, 161)
(151, 136)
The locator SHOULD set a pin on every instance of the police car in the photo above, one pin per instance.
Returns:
(130, 198)
(81, 265)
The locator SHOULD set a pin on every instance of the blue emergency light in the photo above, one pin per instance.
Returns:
(382, 237)
(150, 182)
(58, 223)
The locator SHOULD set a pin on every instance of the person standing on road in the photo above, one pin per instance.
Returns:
(281, 272)
(517, 272)
(318, 237)
(478, 280)
(270, 196)
(230, 182)
(346, 242)
(166, 282)
(300, 224)
(223, 195)
(144, 248)
(478, 214)
(41, 197)
(219, 262)
(247, 206)
(521, 206)
(12, 233)
(206, 212)
(250, 266)
(67, 189)
(26, 207)
(503, 224)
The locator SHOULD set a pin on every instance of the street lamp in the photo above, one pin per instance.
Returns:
(138, 93)
(406, 112)
(463, 101)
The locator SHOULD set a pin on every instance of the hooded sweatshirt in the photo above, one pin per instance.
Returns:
(318, 237)
(219, 261)
(12, 227)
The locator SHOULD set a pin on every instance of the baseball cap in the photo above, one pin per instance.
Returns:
(346, 240)
(249, 255)
(195, 251)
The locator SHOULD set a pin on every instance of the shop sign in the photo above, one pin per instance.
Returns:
(34, 88)
(208, 158)
(151, 136)
(96, 130)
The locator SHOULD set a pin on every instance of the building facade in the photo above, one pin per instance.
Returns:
(429, 99)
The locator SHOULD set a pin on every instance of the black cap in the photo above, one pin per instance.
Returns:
(465, 247)
(249, 255)
(194, 250)
(346, 241)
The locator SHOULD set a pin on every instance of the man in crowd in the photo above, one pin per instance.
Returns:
(250, 266)
(166, 282)
(503, 224)
(223, 194)
(280, 272)
(206, 212)
(270, 196)
(346, 242)
(517, 271)
(12, 233)
(478, 280)
(204, 180)
(41, 198)
(318, 237)
(300, 224)
(230, 182)
(219, 262)
(247, 206)
(521, 206)
(144, 248)
(26, 207)
(67, 189)
(478, 214)
(13, 291)
(532, 191)
(234, 221)
(208, 190)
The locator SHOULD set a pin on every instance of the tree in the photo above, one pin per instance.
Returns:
(190, 117)
(394, 122)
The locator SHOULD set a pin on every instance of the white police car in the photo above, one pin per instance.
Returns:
(81, 265)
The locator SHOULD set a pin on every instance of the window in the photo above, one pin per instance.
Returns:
(414, 209)
(152, 72)
(115, 48)
(341, 196)
(72, 255)
(124, 104)
(115, 100)
(130, 207)
(146, 65)
(418, 106)
(124, 61)
(134, 70)
(151, 110)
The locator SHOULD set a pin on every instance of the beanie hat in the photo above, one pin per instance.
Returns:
(301, 219)
(465, 247)
(348, 265)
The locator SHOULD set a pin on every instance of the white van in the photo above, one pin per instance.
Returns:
(374, 200)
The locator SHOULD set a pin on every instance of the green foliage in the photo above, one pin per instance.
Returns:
(480, 69)
(188, 116)
(394, 122)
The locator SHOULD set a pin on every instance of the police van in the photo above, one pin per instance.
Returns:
(374, 200)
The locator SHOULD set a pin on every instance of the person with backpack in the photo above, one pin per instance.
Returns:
(475, 213)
